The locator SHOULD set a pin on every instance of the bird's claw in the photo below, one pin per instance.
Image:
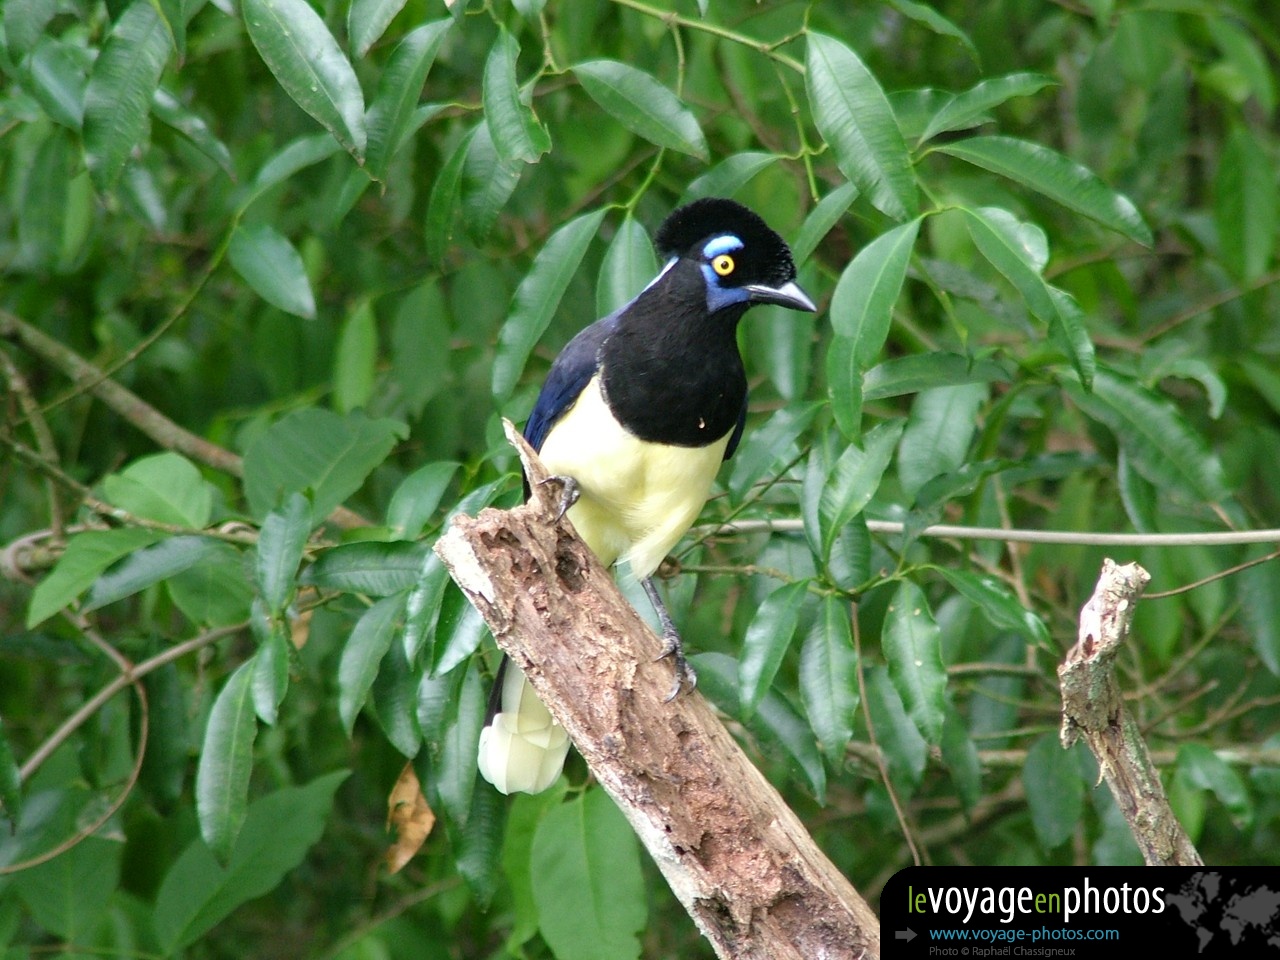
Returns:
(570, 491)
(686, 677)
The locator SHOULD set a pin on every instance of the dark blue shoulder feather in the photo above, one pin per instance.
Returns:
(569, 375)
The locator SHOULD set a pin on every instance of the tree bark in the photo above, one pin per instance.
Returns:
(1093, 708)
(735, 855)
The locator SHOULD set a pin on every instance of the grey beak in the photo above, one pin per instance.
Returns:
(788, 295)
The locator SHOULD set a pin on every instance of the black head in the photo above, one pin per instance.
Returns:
(742, 259)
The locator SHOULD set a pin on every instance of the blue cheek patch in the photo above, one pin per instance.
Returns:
(719, 297)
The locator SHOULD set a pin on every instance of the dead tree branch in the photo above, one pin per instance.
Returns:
(735, 855)
(1093, 708)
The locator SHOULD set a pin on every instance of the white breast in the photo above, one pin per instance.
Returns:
(638, 498)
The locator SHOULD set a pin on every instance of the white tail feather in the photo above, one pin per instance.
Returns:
(522, 749)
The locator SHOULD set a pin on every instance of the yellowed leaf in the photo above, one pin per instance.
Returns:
(410, 815)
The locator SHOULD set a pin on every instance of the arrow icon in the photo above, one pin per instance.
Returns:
(907, 934)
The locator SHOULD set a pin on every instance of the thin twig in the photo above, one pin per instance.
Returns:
(871, 735)
(1067, 537)
(118, 683)
(129, 677)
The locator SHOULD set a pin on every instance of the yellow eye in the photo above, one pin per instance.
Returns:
(723, 265)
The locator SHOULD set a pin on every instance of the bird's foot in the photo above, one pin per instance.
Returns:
(686, 677)
(570, 491)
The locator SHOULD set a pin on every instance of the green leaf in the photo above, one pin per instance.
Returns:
(169, 110)
(527, 811)
(1260, 606)
(117, 101)
(459, 630)
(363, 652)
(643, 105)
(770, 445)
(307, 62)
(1020, 251)
(1055, 792)
(1159, 443)
(215, 592)
(280, 543)
(923, 371)
(87, 554)
(905, 751)
(828, 677)
(479, 845)
(455, 776)
(271, 672)
(148, 566)
(862, 306)
(1244, 205)
(938, 433)
(355, 362)
(1205, 769)
(1245, 58)
(924, 14)
(226, 760)
(370, 567)
(419, 368)
(912, 645)
(58, 75)
(820, 221)
(271, 265)
(961, 758)
(488, 183)
(514, 129)
(415, 501)
(997, 603)
(969, 108)
(1055, 176)
(932, 498)
(164, 486)
(1068, 331)
(391, 114)
(590, 893)
(294, 156)
(197, 892)
(367, 20)
(775, 720)
(766, 642)
(438, 229)
(68, 895)
(855, 477)
(629, 265)
(422, 608)
(854, 117)
(728, 176)
(24, 23)
(318, 451)
(844, 385)
(393, 701)
(538, 297)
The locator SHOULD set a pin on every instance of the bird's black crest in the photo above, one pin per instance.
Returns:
(766, 255)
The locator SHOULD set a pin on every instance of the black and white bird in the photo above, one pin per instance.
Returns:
(638, 412)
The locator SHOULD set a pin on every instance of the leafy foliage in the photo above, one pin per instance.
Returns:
(274, 270)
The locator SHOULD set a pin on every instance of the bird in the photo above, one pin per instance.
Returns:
(635, 416)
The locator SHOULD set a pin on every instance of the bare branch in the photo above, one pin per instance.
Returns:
(735, 855)
(1093, 708)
